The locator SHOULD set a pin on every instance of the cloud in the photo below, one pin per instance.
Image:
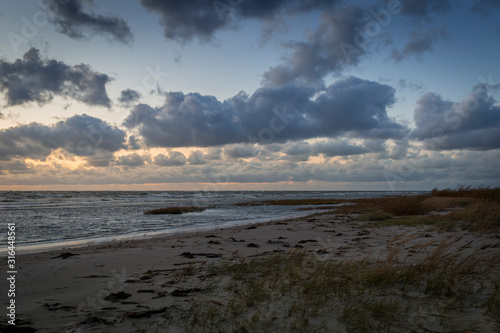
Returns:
(271, 9)
(349, 106)
(400, 149)
(175, 158)
(485, 7)
(133, 143)
(473, 123)
(132, 160)
(421, 170)
(301, 150)
(184, 21)
(100, 159)
(344, 36)
(80, 135)
(424, 8)
(241, 151)
(420, 42)
(335, 45)
(15, 167)
(129, 97)
(338, 148)
(347, 35)
(213, 154)
(32, 79)
(414, 86)
(197, 158)
(73, 21)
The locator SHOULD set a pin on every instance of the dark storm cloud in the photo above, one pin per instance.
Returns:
(79, 135)
(32, 79)
(336, 44)
(419, 43)
(71, 20)
(129, 97)
(473, 123)
(175, 158)
(185, 20)
(485, 7)
(350, 106)
(132, 160)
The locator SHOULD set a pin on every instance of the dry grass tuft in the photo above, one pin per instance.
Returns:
(405, 205)
(481, 216)
(437, 204)
(483, 193)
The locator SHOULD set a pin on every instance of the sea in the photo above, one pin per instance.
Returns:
(51, 219)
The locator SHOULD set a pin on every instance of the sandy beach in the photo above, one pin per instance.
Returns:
(234, 166)
(183, 283)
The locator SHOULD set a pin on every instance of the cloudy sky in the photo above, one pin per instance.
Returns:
(249, 94)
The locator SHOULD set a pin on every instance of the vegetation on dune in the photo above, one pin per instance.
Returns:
(475, 209)
(482, 193)
(174, 210)
(295, 292)
(470, 208)
(294, 202)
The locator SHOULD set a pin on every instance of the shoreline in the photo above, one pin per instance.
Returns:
(82, 243)
(169, 282)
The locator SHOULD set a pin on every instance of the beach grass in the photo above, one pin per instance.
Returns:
(293, 202)
(296, 292)
(480, 216)
(475, 209)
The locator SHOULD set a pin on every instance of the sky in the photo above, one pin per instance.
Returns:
(249, 94)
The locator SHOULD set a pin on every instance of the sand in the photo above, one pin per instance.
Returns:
(147, 285)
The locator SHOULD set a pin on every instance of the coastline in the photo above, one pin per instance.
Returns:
(159, 282)
(90, 242)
